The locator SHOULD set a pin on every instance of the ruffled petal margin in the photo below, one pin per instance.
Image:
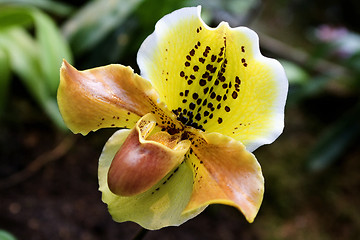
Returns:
(224, 172)
(162, 205)
(215, 79)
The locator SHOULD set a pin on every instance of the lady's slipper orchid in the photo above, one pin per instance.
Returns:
(212, 100)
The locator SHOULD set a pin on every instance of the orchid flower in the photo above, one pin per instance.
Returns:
(206, 99)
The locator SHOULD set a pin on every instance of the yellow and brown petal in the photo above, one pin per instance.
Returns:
(224, 172)
(109, 96)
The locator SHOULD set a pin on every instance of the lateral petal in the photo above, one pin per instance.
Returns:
(109, 96)
(215, 79)
(160, 206)
(224, 172)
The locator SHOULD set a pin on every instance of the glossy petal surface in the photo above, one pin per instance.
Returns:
(109, 96)
(215, 79)
(143, 160)
(162, 205)
(225, 172)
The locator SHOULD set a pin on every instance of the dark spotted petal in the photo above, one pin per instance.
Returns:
(215, 79)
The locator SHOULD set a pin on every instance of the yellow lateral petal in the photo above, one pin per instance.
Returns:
(109, 96)
(215, 79)
(225, 172)
(160, 206)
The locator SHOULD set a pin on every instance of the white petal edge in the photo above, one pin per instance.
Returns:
(150, 45)
(282, 90)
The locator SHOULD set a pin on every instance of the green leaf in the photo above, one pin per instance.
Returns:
(35, 61)
(23, 53)
(294, 73)
(60, 9)
(5, 75)
(4, 235)
(52, 49)
(10, 17)
(94, 21)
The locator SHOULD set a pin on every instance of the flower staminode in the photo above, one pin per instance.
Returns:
(206, 99)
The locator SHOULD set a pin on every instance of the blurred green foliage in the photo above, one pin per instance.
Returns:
(34, 59)
(4, 235)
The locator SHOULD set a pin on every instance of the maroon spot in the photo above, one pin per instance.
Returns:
(205, 101)
(234, 95)
(213, 58)
(198, 117)
(205, 75)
